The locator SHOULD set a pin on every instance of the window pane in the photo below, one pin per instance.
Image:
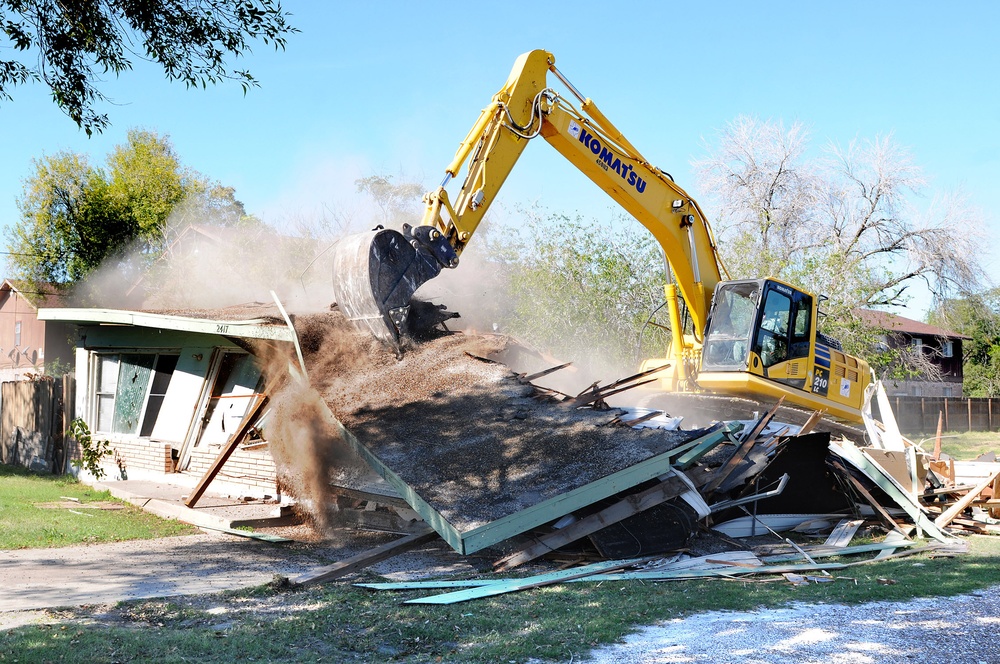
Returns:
(105, 412)
(133, 378)
(107, 374)
(165, 365)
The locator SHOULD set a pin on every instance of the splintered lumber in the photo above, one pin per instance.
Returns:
(876, 474)
(810, 423)
(367, 558)
(513, 585)
(762, 422)
(546, 372)
(860, 488)
(595, 393)
(671, 487)
(948, 515)
(723, 473)
(227, 451)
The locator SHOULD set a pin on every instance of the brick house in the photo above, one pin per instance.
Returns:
(168, 390)
(29, 345)
(940, 347)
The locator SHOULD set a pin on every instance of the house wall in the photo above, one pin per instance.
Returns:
(251, 468)
(14, 308)
(249, 472)
(950, 384)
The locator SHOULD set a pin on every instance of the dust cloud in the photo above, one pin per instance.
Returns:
(308, 444)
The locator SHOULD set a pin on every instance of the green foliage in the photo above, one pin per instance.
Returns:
(583, 289)
(71, 43)
(75, 216)
(976, 316)
(92, 452)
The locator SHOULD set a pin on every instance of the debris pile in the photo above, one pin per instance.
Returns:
(497, 464)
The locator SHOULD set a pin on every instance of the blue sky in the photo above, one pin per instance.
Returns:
(392, 87)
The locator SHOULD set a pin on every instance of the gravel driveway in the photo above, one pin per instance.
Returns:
(956, 630)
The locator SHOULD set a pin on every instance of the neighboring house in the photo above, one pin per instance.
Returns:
(29, 345)
(940, 347)
(168, 391)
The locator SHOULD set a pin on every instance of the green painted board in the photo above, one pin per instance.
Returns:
(513, 585)
(705, 445)
(676, 575)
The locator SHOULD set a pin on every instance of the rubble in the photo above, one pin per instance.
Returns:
(499, 465)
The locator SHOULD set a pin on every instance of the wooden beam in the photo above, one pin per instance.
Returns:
(670, 488)
(226, 451)
(810, 423)
(366, 558)
(965, 501)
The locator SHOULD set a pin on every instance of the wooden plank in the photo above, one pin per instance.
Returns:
(227, 451)
(705, 445)
(670, 488)
(366, 558)
(965, 501)
(885, 482)
(727, 469)
(526, 583)
(886, 518)
(810, 423)
(546, 372)
(644, 418)
(937, 438)
(249, 534)
(762, 422)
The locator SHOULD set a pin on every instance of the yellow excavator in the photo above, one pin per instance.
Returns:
(755, 339)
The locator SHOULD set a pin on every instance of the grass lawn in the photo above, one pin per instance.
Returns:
(341, 623)
(962, 446)
(34, 513)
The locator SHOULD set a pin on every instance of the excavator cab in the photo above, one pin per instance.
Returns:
(756, 324)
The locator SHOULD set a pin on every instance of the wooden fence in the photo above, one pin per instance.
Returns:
(33, 423)
(920, 414)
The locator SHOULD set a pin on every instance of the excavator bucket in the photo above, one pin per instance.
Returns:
(376, 273)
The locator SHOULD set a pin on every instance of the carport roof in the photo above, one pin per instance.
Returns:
(233, 322)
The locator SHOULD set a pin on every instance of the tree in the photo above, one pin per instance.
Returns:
(74, 216)
(842, 225)
(583, 289)
(68, 44)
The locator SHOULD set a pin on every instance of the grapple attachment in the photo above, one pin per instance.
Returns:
(376, 273)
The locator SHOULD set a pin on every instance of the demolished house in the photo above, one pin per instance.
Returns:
(456, 439)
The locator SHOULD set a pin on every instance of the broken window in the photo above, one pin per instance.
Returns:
(129, 390)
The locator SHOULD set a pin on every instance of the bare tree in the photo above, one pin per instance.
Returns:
(844, 224)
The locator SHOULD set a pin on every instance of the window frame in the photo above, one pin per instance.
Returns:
(96, 393)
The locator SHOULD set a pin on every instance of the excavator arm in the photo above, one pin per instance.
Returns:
(378, 272)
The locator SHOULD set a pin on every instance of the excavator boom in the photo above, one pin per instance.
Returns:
(377, 273)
